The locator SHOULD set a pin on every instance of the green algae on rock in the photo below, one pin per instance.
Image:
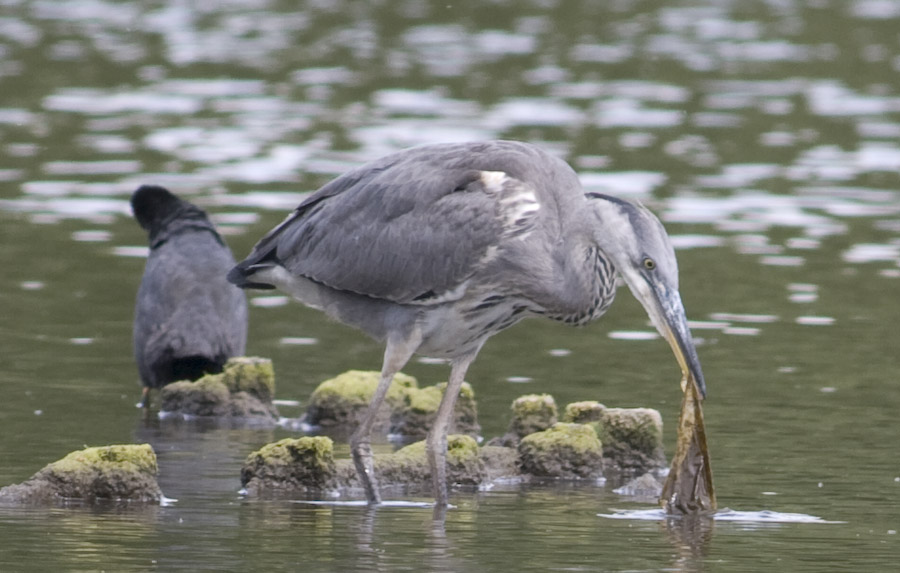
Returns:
(632, 438)
(307, 465)
(415, 414)
(292, 464)
(118, 472)
(250, 374)
(562, 451)
(583, 412)
(340, 402)
(244, 389)
(409, 465)
(532, 413)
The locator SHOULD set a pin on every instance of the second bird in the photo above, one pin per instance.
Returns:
(189, 320)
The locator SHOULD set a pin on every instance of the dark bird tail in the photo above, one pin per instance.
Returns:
(263, 256)
(242, 275)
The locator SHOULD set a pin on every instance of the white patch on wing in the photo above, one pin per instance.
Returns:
(493, 181)
(490, 254)
(518, 202)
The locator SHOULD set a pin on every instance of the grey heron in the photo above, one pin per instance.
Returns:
(436, 248)
(188, 319)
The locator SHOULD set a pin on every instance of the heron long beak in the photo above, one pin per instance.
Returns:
(669, 318)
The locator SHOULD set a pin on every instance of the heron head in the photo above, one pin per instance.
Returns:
(638, 246)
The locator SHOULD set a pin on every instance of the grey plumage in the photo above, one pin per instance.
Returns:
(188, 318)
(436, 248)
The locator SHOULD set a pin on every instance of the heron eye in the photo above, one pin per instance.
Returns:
(649, 264)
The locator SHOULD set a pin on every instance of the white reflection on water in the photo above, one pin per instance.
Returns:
(680, 242)
(131, 251)
(815, 320)
(92, 236)
(102, 102)
(269, 301)
(751, 318)
(761, 517)
(531, 112)
(633, 335)
(298, 341)
(872, 252)
(634, 184)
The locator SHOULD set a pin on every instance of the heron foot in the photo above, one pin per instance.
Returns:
(363, 460)
(436, 451)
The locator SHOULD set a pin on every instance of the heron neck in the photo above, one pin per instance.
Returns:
(590, 287)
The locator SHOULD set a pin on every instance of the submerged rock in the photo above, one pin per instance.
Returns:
(339, 404)
(119, 472)
(307, 464)
(301, 464)
(562, 451)
(593, 439)
(645, 486)
(244, 389)
(408, 466)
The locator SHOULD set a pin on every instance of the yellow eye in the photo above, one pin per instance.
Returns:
(649, 264)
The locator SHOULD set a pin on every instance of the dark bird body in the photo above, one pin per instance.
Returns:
(434, 249)
(189, 320)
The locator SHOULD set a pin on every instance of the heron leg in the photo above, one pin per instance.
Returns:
(396, 355)
(436, 442)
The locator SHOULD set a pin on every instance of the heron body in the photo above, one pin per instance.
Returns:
(434, 249)
(189, 320)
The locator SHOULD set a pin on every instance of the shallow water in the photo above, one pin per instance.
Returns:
(765, 135)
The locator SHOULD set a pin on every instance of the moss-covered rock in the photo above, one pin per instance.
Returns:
(244, 389)
(339, 403)
(500, 462)
(207, 396)
(252, 375)
(583, 412)
(632, 438)
(301, 464)
(415, 413)
(307, 465)
(532, 413)
(118, 472)
(409, 465)
(562, 451)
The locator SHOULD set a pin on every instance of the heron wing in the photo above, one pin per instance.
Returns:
(411, 227)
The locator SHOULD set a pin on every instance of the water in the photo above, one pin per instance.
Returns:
(765, 135)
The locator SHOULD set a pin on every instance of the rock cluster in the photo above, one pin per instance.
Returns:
(590, 440)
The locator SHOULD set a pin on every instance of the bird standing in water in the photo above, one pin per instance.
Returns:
(435, 249)
(189, 320)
